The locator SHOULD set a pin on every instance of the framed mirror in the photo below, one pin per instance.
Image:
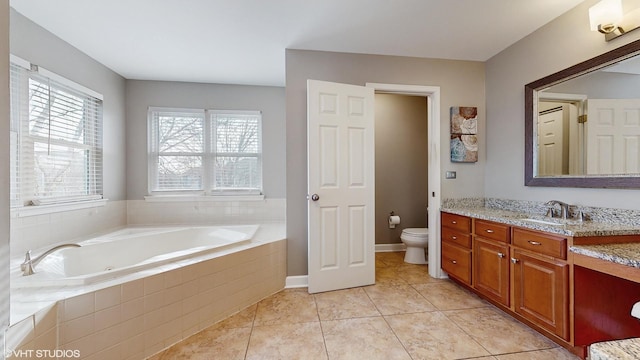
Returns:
(582, 124)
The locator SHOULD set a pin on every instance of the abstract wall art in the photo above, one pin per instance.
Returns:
(464, 130)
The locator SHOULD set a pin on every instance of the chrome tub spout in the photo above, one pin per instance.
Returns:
(28, 266)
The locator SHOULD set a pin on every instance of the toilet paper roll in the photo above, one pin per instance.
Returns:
(393, 221)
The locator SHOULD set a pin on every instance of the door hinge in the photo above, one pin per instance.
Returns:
(582, 119)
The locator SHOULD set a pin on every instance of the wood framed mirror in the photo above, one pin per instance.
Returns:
(579, 153)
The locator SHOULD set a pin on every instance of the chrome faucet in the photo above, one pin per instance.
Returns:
(29, 264)
(564, 208)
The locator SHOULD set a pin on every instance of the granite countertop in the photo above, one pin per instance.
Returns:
(615, 350)
(623, 254)
(573, 228)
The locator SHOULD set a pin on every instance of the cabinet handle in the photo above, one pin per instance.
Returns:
(489, 231)
(534, 242)
(454, 222)
(454, 262)
(454, 238)
(514, 260)
(501, 255)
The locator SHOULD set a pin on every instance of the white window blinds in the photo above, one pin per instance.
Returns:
(56, 140)
(214, 152)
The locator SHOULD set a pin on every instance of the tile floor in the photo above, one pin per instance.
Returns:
(405, 315)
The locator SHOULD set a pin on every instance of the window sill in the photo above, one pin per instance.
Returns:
(202, 198)
(33, 210)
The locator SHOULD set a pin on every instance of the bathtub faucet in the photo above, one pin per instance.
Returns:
(29, 264)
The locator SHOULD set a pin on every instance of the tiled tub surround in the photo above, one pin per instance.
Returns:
(600, 221)
(167, 212)
(140, 314)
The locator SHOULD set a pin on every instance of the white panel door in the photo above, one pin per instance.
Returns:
(341, 243)
(613, 136)
(550, 143)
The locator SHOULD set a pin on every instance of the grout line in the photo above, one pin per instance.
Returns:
(253, 321)
(324, 340)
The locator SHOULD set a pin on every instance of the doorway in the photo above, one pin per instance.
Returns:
(432, 95)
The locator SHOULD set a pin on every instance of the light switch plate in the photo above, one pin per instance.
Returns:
(450, 175)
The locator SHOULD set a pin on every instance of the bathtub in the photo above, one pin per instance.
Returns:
(127, 251)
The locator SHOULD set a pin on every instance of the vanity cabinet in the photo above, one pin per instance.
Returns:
(456, 246)
(523, 271)
(491, 260)
(541, 280)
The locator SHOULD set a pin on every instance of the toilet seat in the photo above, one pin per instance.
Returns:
(417, 233)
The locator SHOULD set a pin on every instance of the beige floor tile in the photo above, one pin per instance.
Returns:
(397, 299)
(286, 307)
(343, 304)
(498, 332)
(415, 274)
(446, 295)
(391, 258)
(556, 354)
(210, 344)
(389, 275)
(431, 335)
(288, 341)
(243, 318)
(364, 338)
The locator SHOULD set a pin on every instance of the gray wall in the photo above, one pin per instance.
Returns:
(542, 53)
(268, 99)
(401, 164)
(38, 46)
(4, 170)
(461, 83)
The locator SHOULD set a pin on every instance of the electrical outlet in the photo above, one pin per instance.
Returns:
(450, 175)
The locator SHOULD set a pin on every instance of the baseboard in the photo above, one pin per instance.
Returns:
(390, 247)
(293, 282)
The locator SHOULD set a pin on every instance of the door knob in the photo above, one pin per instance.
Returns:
(315, 197)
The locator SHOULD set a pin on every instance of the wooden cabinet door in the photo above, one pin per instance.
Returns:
(491, 269)
(541, 291)
(456, 262)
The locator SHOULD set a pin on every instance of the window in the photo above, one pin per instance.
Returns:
(56, 139)
(205, 151)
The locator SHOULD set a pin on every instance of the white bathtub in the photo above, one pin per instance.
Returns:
(127, 251)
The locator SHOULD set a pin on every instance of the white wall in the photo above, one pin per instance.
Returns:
(268, 99)
(461, 84)
(561, 43)
(4, 170)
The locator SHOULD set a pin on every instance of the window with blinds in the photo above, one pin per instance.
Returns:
(208, 151)
(56, 140)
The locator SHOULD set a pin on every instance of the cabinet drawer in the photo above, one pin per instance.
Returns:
(541, 243)
(458, 222)
(456, 261)
(456, 237)
(491, 230)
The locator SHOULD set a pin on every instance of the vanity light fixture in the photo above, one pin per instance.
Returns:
(608, 18)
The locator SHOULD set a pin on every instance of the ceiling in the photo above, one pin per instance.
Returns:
(244, 41)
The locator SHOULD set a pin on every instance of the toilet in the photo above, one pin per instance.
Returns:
(416, 241)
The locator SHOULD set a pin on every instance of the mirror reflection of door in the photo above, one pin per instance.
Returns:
(613, 129)
(560, 140)
(552, 147)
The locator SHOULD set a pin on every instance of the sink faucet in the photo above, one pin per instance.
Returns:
(29, 264)
(564, 208)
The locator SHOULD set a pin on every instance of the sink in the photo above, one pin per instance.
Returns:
(542, 222)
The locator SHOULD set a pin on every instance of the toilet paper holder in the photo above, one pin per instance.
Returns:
(393, 220)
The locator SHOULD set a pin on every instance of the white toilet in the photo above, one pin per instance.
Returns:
(416, 241)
